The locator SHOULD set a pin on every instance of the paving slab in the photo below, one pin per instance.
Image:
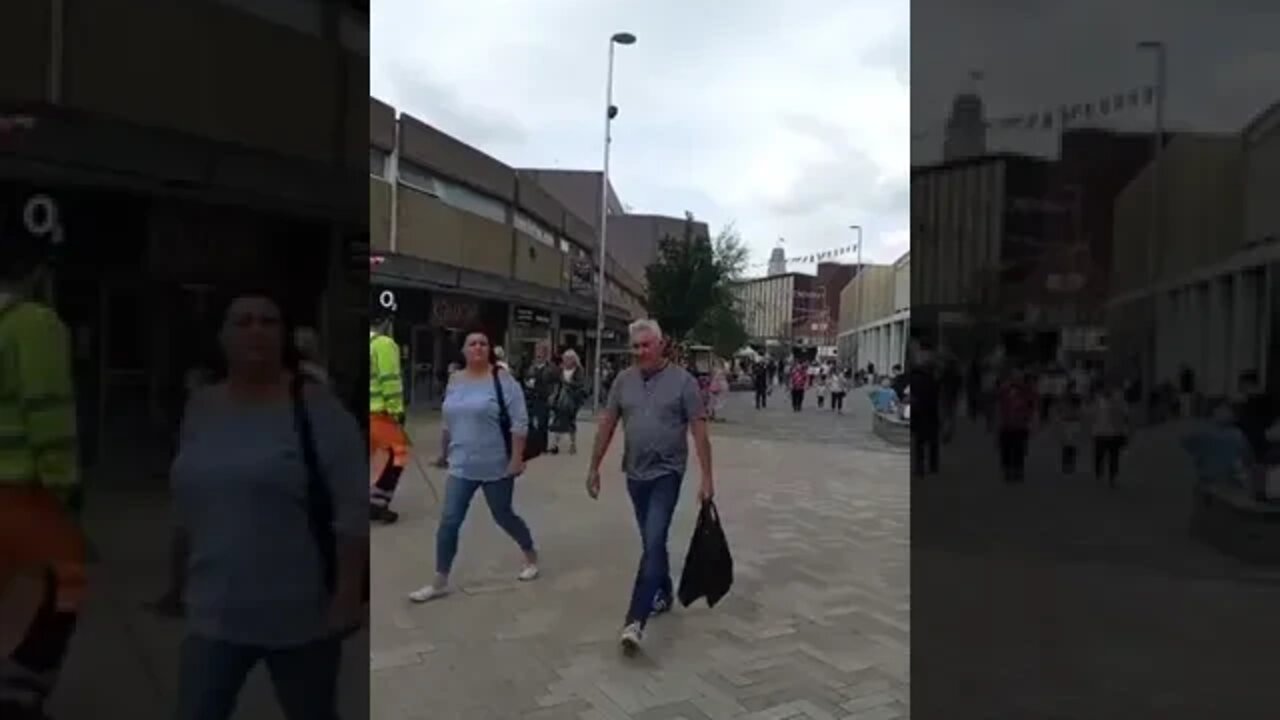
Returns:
(816, 511)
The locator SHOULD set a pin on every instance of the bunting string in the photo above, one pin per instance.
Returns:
(1064, 115)
(816, 257)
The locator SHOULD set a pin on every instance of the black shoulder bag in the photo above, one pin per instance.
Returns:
(319, 498)
(536, 437)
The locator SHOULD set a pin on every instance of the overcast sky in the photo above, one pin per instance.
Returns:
(1223, 62)
(788, 119)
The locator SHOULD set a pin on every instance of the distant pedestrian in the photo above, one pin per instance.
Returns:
(567, 399)
(659, 407)
(820, 387)
(1110, 423)
(1016, 411)
(799, 383)
(760, 383)
(924, 388)
(839, 386)
(1070, 414)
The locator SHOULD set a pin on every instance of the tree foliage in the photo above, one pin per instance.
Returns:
(690, 291)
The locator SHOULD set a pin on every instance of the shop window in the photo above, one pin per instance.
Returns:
(527, 225)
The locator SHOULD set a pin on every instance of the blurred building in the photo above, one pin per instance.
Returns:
(784, 311)
(222, 147)
(634, 238)
(467, 241)
(778, 261)
(1194, 282)
(875, 312)
(980, 226)
(966, 132)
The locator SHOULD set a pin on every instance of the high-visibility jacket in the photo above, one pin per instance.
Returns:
(38, 440)
(386, 386)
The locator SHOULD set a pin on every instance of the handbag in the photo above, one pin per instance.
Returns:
(708, 566)
(320, 511)
(535, 439)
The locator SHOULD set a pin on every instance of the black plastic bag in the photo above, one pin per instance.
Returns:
(708, 567)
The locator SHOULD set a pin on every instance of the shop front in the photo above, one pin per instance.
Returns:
(530, 326)
(573, 335)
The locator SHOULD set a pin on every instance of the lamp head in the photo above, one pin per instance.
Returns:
(624, 38)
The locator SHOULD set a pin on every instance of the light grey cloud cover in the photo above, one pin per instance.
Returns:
(789, 119)
(1223, 62)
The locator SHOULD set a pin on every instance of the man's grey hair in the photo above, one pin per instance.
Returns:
(643, 326)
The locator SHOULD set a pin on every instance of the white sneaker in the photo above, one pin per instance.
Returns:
(529, 572)
(427, 593)
(631, 636)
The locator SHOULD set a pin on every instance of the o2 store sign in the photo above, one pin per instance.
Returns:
(387, 301)
(40, 219)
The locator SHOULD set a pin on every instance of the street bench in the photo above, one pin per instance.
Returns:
(891, 428)
(1229, 518)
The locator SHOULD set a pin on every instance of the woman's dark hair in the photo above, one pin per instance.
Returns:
(477, 330)
(291, 357)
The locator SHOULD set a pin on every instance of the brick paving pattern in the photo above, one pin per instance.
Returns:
(816, 510)
(1082, 602)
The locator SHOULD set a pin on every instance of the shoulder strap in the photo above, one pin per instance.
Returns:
(504, 418)
(319, 498)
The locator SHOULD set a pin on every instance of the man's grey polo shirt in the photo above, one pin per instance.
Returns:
(655, 413)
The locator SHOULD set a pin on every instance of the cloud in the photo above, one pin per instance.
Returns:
(1222, 62)
(443, 107)
(788, 118)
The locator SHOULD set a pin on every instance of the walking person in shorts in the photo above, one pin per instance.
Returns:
(660, 406)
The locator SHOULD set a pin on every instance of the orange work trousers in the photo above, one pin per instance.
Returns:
(386, 439)
(38, 537)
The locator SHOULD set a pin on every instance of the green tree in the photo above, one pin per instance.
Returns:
(690, 292)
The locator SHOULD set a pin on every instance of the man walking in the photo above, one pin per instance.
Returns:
(386, 421)
(658, 403)
(760, 381)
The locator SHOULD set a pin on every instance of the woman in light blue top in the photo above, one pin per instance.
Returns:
(480, 457)
(258, 586)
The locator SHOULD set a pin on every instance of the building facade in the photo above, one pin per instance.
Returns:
(875, 311)
(781, 312)
(1197, 262)
(634, 239)
(465, 241)
(982, 227)
(176, 180)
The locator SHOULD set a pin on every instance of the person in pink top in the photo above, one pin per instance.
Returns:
(799, 383)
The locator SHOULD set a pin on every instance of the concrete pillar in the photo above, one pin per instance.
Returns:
(1246, 330)
(1217, 337)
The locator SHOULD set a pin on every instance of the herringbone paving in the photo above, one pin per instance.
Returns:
(816, 625)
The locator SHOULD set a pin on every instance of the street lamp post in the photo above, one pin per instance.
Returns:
(610, 111)
(857, 314)
(1157, 48)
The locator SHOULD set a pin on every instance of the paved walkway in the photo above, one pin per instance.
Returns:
(1084, 602)
(816, 625)
(123, 659)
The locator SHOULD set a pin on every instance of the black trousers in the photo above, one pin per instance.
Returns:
(837, 401)
(762, 398)
(924, 450)
(1106, 456)
(797, 400)
(1069, 454)
(38, 658)
(1013, 453)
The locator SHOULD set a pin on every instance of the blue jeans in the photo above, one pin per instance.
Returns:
(654, 502)
(212, 673)
(457, 498)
